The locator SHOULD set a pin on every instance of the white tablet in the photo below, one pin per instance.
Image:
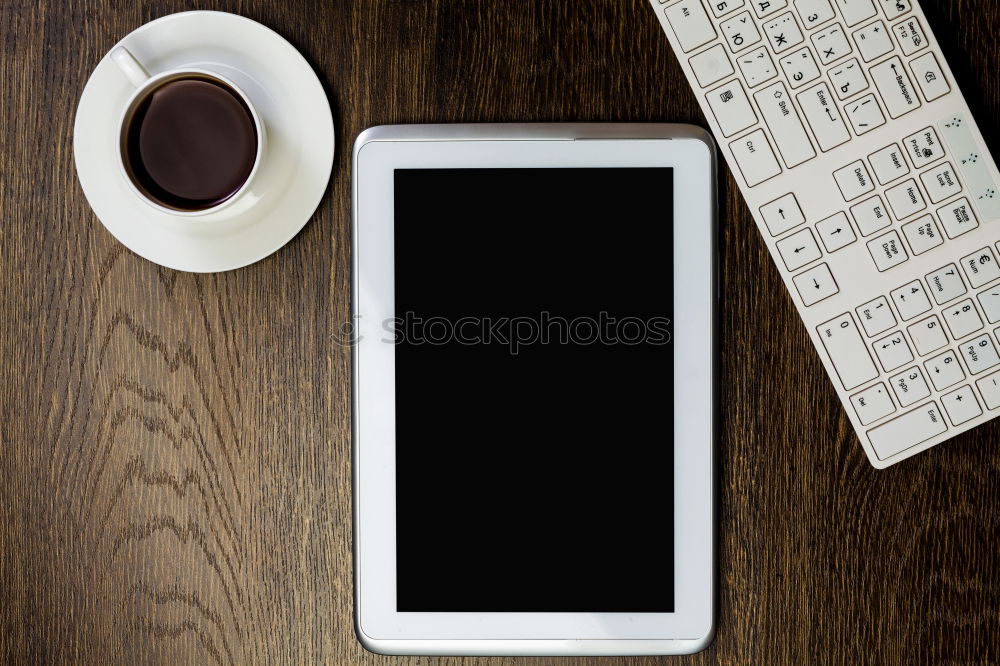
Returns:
(534, 389)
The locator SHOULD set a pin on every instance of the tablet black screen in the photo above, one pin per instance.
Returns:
(534, 391)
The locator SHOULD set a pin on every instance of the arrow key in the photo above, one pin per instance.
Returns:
(816, 284)
(836, 232)
(944, 370)
(799, 249)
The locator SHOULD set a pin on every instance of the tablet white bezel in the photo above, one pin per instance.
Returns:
(378, 152)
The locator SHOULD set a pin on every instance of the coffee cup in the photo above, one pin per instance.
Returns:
(189, 140)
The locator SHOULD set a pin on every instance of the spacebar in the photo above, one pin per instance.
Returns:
(908, 430)
(786, 127)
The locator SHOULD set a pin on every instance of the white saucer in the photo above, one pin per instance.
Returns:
(293, 174)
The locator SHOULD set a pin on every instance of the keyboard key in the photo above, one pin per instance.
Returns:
(848, 79)
(873, 404)
(786, 128)
(907, 431)
(871, 215)
(887, 251)
(892, 351)
(888, 164)
(813, 12)
(944, 370)
(930, 77)
(876, 316)
(928, 335)
(800, 67)
(723, 7)
(816, 284)
(783, 32)
(923, 147)
(941, 182)
(894, 85)
(823, 117)
(873, 41)
(782, 214)
(757, 66)
(895, 8)
(961, 406)
(835, 232)
(981, 267)
(910, 35)
(905, 200)
(847, 351)
(767, 7)
(856, 11)
(731, 107)
(963, 319)
(831, 44)
(980, 355)
(958, 218)
(911, 300)
(922, 235)
(989, 387)
(946, 284)
(755, 158)
(690, 23)
(864, 115)
(854, 180)
(990, 302)
(910, 387)
(799, 249)
(711, 65)
(740, 32)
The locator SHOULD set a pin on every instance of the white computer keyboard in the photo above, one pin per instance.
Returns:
(871, 183)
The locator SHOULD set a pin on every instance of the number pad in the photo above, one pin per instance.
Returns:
(783, 33)
(990, 388)
(848, 79)
(831, 44)
(740, 32)
(911, 300)
(910, 386)
(800, 68)
(946, 284)
(944, 370)
(814, 12)
(963, 319)
(961, 406)
(990, 302)
(876, 316)
(928, 335)
(892, 351)
(873, 404)
(980, 355)
(981, 267)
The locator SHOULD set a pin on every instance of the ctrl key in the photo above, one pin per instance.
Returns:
(907, 431)
(755, 158)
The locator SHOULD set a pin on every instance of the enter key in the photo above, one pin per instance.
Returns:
(823, 117)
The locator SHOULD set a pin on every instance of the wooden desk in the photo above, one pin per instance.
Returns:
(174, 448)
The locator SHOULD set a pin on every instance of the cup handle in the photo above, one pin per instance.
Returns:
(130, 67)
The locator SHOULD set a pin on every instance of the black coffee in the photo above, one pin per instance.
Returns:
(191, 143)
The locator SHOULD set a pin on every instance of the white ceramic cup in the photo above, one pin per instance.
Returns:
(145, 84)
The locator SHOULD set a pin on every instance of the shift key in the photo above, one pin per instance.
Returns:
(786, 127)
(848, 351)
(907, 431)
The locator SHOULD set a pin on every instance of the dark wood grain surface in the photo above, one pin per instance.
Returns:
(174, 448)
